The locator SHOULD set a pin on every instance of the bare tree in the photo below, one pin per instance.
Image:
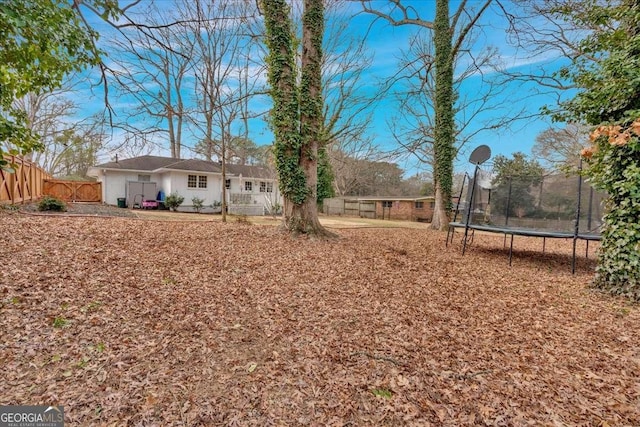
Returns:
(81, 146)
(541, 33)
(559, 147)
(48, 114)
(479, 111)
(68, 143)
(135, 144)
(221, 66)
(349, 164)
(449, 35)
(153, 62)
(348, 104)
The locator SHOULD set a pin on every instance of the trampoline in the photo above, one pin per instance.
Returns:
(553, 206)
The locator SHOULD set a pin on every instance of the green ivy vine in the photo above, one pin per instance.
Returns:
(614, 166)
(297, 111)
(281, 76)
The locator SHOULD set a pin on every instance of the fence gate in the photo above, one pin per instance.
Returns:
(74, 191)
(360, 208)
(368, 209)
(352, 208)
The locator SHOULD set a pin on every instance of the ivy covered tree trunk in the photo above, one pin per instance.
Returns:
(297, 111)
(614, 166)
(325, 175)
(444, 120)
(610, 97)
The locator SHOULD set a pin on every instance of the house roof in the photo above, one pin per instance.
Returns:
(158, 163)
(142, 163)
(194, 165)
(250, 171)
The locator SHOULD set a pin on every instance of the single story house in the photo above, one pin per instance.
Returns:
(384, 207)
(251, 190)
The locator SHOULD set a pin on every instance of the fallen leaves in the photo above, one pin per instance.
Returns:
(223, 324)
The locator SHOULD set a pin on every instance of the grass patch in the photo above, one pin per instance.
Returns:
(60, 322)
(382, 392)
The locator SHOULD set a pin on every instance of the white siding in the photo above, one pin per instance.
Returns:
(114, 184)
(210, 194)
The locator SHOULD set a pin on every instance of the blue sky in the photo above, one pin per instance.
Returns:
(385, 43)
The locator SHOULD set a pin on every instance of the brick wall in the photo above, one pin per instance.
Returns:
(404, 210)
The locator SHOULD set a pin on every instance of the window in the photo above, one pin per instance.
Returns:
(419, 205)
(227, 184)
(432, 205)
(144, 178)
(266, 187)
(387, 204)
(248, 186)
(197, 181)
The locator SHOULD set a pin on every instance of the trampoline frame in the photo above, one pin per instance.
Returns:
(520, 231)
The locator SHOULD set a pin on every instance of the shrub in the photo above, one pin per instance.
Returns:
(173, 201)
(10, 208)
(50, 203)
(197, 203)
(216, 206)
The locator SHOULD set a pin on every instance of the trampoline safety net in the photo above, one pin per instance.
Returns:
(543, 203)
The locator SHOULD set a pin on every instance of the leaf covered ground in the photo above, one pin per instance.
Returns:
(129, 322)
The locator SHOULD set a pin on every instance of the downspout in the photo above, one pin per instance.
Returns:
(104, 188)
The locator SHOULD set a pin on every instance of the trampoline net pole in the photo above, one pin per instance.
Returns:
(451, 230)
(590, 209)
(471, 191)
(506, 214)
(576, 230)
(455, 214)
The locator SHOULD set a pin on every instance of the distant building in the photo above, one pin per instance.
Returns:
(382, 207)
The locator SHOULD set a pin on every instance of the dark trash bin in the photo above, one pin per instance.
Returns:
(122, 202)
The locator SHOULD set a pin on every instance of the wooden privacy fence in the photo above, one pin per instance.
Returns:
(30, 182)
(26, 184)
(73, 191)
(349, 207)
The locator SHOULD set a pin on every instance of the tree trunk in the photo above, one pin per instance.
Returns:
(223, 161)
(297, 113)
(440, 219)
(444, 118)
(303, 218)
